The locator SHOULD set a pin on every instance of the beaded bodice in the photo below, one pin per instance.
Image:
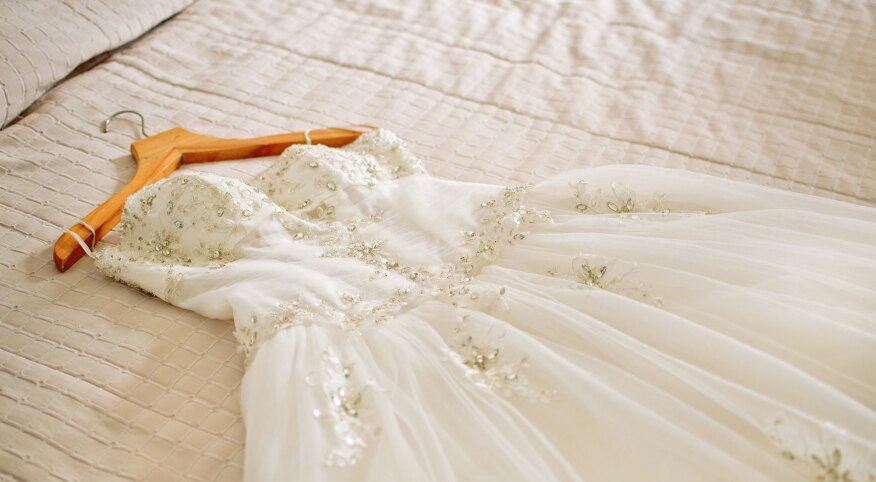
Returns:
(197, 219)
(344, 237)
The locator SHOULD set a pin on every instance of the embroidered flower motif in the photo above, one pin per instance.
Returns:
(501, 222)
(618, 276)
(262, 327)
(489, 365)
(621, 201)
(828, 453)
(587, 274)
(624, 199)
(343, 410)
(368, 252)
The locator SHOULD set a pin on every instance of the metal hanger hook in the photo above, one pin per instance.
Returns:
(106, 123)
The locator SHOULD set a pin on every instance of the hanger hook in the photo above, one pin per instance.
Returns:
(106, 123)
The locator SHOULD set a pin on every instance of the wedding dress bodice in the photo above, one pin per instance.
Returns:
(344, 236)
(197, 219)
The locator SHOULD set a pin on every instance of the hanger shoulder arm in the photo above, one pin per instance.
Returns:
(211, 149)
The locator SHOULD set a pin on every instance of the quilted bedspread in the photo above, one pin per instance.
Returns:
(99, 381)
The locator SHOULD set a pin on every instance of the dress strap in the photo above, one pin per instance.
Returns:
(85, 247)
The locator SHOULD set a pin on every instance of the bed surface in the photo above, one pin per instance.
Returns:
(99, 381)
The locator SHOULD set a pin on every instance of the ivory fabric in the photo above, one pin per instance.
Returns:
(102, 382)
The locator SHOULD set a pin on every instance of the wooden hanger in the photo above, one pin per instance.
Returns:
(159, 155)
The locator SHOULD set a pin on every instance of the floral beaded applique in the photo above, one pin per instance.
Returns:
(355, 313)
(502, 223)
(622, 200)
(262, 327)
(828, 453)
(490, 365)
(342, 411)
(618, 276)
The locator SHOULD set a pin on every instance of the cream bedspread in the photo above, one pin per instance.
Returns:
(99, 381)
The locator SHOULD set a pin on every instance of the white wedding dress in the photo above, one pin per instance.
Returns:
(623, 323)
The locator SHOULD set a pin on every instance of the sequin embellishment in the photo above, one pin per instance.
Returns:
(618, 276)
(216, 211)
(621, 201)
(490, 365)
(502, 223)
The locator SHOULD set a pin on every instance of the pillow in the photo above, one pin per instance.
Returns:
(41, 41)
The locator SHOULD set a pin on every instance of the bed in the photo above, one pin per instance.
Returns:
(101, 382)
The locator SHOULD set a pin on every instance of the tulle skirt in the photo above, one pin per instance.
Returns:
(664, 326)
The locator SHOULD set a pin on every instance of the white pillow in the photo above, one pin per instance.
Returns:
(41, 41)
